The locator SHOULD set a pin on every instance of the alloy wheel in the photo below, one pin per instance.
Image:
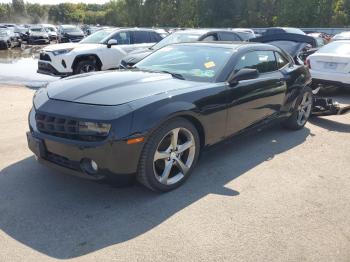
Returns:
(87, 68)
(304, 110)
(174, 156)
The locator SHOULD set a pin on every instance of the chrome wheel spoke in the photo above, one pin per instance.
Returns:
(182, 148)
(165, 175)
(175, 138)
(161, 155)
(184, 169)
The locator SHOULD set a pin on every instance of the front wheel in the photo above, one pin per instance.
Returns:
(85, 66)
(169, 156)
(303, 111)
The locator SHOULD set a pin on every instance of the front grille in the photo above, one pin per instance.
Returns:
(45, 57)
(62, 127)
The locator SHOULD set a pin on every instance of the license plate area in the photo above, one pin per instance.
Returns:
(330, 66)
(36, 145)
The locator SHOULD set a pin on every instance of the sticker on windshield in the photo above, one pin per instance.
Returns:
(210, 64)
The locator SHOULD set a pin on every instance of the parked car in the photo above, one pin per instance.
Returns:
(15, 37)
(245, 33)
(181, 36)
(38, 35)
(102, 50)
(23, 33)
(295, 45)
(51, 31)
(5, 39)
(281, 30)
(70, 33)
(152, 122)
(341, 36)
(330, 66)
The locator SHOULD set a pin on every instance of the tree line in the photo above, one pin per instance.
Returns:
(185, 13)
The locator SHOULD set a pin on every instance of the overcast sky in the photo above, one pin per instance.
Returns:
(51, 2)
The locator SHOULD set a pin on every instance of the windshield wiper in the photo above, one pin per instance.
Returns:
(175, 75)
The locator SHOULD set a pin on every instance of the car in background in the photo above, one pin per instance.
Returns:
(330, 65)
(245, 33)
(181, 36)
(51, 31)
(38, 35)
(151, 123)
(23, 33)
(341, 36)
(102, 50)
(70, 33)
(281, 30)
(5, 39)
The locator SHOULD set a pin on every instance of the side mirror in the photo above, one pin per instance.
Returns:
(111, 42)
(243, 74)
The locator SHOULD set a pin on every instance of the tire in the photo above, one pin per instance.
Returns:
(85, 66)
(302, 111)
(151, 171)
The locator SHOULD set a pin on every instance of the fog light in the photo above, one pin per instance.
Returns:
(94, 165)
(89, 166)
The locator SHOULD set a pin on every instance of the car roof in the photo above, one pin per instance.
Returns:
(230, 45)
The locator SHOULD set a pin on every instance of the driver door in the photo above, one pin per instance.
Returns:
(253, 101)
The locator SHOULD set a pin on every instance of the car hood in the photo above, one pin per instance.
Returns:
(114, 87)
(137, 56)
(38, 34)
(76, 46)
(4, 38)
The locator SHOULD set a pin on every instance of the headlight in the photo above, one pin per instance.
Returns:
(94, 129)
(62, 52)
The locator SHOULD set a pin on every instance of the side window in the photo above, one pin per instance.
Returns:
(123, 38)
(155, 38)
(281, 60)
(227, 36)
(212, 37)
(263, 61)
(141, 37)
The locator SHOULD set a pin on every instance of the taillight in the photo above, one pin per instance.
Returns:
(308, 63)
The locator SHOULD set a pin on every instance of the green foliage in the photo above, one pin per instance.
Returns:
(186, 13)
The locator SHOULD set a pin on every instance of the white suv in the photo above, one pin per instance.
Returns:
(102, 50)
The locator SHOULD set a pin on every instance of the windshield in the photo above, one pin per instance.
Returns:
(37, 30)
(72, 30)
(3, 33)
(97, 38)
(192, 63)
(176, 38)
(50, 29)
(338, 48)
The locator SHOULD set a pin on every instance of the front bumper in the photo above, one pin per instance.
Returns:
(47, 69)
(116, 159)
(39, 41)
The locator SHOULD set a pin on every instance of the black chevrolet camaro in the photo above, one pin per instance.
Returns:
(152, 122)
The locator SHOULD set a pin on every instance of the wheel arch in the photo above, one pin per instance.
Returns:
(148, 120)
(83, 57)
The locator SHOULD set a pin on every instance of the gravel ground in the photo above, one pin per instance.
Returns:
(271, 196)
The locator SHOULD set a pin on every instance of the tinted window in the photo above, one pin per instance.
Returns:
(212, 37)
(123, 38)
(141, 37)
(281, 60)
(227, 36)
(155, 37)
(263, 61)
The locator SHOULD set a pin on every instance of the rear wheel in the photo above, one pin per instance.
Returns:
(85, 66)
(303, 111)
(169, 156)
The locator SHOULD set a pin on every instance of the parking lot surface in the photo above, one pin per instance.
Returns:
(271, 196)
